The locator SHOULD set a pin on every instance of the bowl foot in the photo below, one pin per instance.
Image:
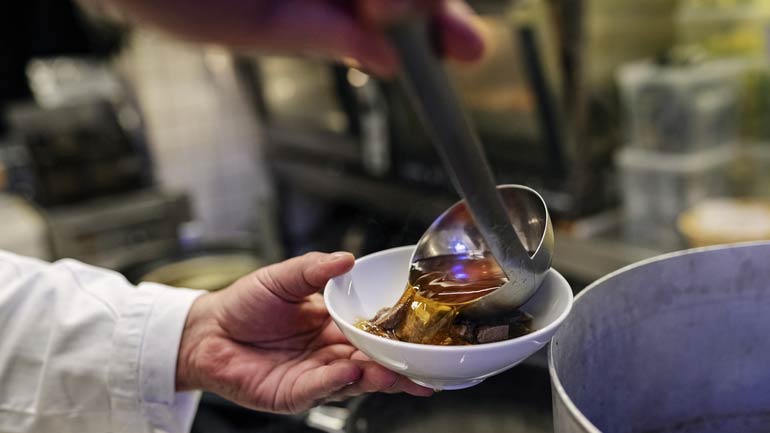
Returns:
(441, 385)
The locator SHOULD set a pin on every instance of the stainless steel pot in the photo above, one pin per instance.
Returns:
(678, 343)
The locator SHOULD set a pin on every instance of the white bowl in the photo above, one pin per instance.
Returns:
(379, 279)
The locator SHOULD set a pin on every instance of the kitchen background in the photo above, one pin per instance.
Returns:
(645, 125)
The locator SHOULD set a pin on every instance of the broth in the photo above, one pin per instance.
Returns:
(430, 309)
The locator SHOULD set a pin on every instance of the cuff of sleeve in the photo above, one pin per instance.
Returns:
(144, 360)
(163, 333)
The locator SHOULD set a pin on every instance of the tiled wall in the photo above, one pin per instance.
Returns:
(203, 135)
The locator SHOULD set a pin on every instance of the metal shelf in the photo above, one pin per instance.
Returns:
(582, 260)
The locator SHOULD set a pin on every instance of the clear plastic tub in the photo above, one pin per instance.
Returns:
(681, 108)
(657, 187)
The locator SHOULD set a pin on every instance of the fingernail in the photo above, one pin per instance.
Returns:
(333, 257)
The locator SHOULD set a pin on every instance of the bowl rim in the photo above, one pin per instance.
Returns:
(549, 328)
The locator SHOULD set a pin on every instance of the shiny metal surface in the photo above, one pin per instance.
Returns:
(458, 145)
(455, 232)
(677, 343)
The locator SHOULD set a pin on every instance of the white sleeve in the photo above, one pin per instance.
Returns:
(84, 351)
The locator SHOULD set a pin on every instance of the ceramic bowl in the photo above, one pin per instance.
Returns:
(379, 279)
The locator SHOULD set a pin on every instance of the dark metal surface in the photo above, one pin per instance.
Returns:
(580, 259)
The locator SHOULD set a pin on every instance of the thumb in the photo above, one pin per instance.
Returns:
(294, 279)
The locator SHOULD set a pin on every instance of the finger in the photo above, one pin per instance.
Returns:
(360, 356)
(381, 13)
(459, 38)
(294, 279)
(404, 384)
(316, 29)
(371, 51)
(400, 384)
(322, 382)
(374, 378)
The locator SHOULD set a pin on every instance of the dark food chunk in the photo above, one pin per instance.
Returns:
(464, 330)
(389, 318)
(490, 334)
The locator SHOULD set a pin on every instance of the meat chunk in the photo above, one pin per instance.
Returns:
(389, 318)
(464, 331)
(490, 334)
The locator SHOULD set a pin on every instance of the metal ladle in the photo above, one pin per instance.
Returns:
(455, 233)
(431, 94)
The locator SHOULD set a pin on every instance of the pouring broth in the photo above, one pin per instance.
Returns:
(430, 311)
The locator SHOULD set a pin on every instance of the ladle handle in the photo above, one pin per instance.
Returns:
(430, 92)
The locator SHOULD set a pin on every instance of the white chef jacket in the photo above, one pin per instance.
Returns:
(84, 351)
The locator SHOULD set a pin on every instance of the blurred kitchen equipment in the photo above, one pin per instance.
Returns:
(209, 268)
(673, 344)
(754, 101)
(608, 34)
(521, 72)
(23, 229)
(681, 107)
(82, 137)
(682, 119)
(454, 232)
(72, 153)
(518, 400)
(657, 187)
(725, 27)
(118, 230)
(619, 31)
(734, 29)
(753, 170)
(504, 91)
(516, 97)
(723, 221)
(311, 109)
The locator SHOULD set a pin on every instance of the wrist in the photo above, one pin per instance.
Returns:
(199, 324)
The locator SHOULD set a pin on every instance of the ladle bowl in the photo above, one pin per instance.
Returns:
(455, 233)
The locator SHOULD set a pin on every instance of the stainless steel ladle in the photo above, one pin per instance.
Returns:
(455, 233)
(430, 92)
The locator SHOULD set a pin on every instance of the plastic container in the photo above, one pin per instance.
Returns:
(681, 108)
(657, 187)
